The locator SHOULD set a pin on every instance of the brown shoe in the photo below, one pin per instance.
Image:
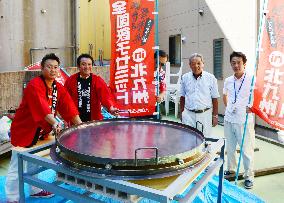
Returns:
(228, 173)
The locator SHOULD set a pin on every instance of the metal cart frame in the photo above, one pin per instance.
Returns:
(212, 164)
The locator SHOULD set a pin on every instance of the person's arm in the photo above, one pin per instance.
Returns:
(53, 122)
(105, 95)
(56, 126)
(162, 87)
(214, 95)
(182, 95)
(161, 97)
(36, 99)
(225, 93)
(182, 102)
(50, 119)
(76, 120)
(225, 99)
(215, 112)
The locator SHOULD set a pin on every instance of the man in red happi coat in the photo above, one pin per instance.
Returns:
(43, 98)
(89, 91)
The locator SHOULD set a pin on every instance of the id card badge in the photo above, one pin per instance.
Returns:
(232, 108)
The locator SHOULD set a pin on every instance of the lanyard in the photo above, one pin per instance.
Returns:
(54, 98)
(54, 95)
(86, 93)
(237, 93)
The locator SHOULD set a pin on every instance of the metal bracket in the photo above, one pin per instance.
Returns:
(141, 148)
(202, 126)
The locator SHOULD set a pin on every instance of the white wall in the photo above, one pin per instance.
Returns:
(23, 26)
(235, 21)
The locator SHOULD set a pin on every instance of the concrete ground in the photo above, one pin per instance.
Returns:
(271, 187)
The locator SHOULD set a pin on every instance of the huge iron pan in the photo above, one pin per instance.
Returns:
(129, 148)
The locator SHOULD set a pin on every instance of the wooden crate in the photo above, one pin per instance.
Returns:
(12, 85)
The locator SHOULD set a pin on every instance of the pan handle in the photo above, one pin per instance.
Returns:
(143, 148)
(199, 123)
(125, 111)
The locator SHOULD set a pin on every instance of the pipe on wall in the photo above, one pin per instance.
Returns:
(32, 50)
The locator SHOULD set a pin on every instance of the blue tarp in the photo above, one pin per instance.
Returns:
(231, 192)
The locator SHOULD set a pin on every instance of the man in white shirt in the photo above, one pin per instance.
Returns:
(236, 94)
(199, 97)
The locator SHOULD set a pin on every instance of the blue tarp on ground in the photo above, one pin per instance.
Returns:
(231, 192)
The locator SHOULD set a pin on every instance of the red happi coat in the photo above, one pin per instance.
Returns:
(100, 94)
(34, 108)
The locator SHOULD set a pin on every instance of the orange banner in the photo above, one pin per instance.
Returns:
(132, 58)
(268, 94)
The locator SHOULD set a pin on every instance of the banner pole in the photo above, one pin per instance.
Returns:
(157, 54)
(260, 29)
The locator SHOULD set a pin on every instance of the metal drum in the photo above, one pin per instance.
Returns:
(129, 149)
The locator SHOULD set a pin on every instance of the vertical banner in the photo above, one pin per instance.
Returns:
(268, 94)
(132, 56)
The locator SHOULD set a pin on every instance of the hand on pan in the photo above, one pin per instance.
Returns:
(214, 121)
(114, 111)
(159, 99)
(56, 128)
(248, 110)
